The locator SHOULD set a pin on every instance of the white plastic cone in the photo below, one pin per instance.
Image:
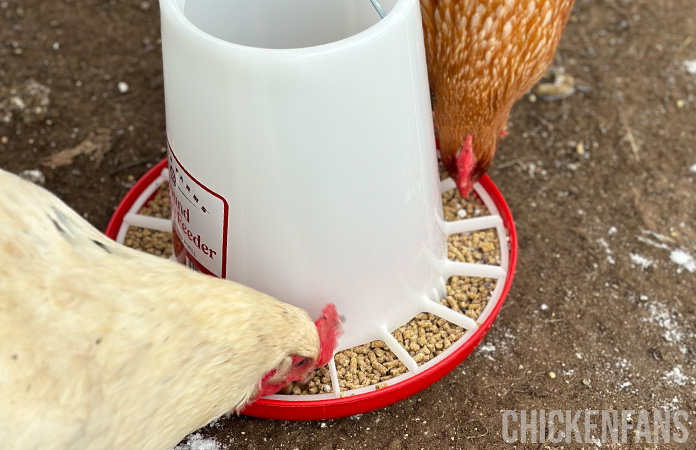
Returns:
(302, 155)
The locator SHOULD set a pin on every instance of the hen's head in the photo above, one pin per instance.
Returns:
(300, 367)
(467, 152)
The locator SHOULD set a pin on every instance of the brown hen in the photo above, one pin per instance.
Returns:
(482, 57)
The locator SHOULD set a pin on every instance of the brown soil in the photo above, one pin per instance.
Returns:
(595, 181)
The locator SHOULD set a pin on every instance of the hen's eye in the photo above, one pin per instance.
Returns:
(302, 363)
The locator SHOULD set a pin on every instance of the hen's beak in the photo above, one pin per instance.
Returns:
(465, 185)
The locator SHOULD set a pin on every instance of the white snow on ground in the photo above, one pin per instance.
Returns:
(488, 349)
(198, 442)
(664, 317)
(678, 256)
(641, 261)
(677, 377)
(683, 259)
(494, 345)
(690, 66)
(652, 243)
(610, 254)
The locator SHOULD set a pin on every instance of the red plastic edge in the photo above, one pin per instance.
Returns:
(130, 198)
(357, 404)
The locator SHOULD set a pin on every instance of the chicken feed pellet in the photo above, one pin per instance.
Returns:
(424, 337)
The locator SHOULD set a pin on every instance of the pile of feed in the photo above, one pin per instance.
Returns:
(424, 337)
(155, 242)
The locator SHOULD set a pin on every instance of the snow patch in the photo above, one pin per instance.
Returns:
(653, 243)
(641, 261)
(610, 254)
(677, 378)
(198, 442)
(673, 405)
(488, 349)
(683, 259)
(660, 314)
(690, 66)
(678, 256)
(623, 364)
(493, 345)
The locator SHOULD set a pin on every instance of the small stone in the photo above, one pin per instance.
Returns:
(33, 175)
(555, 86)
(461, 213)
(56, 46)
(145, 6)
(680, 103)
(123, 87)
(552, 375)
(580, 149)
(586, 381)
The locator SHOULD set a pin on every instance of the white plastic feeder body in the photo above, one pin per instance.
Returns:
(311, 121)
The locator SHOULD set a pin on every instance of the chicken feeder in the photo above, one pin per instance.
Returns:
(326, 406)
(302, 163)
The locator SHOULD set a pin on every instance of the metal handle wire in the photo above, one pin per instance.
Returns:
(379, 8)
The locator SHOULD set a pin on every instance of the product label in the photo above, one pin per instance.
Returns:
(199, 217)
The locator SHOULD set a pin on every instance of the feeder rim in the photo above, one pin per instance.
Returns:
(174, 10)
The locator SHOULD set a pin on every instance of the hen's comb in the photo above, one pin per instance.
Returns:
(329, 329)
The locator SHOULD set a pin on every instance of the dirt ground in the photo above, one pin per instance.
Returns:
(601, 185)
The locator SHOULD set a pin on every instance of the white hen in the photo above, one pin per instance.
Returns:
(105, 347)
